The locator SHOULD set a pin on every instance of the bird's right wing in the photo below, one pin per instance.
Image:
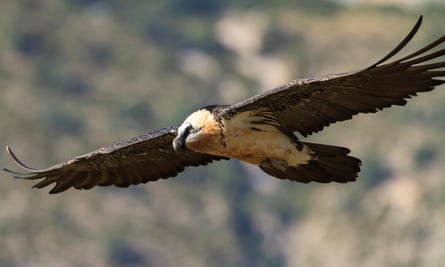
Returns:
(145, 158)
(307, 106)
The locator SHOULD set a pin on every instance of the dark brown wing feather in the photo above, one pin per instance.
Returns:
(308, 105)
(145, 158)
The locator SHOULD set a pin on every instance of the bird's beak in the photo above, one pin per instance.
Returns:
(179, 143)
(180, 139)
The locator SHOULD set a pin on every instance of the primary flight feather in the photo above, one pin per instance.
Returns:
(259, 130)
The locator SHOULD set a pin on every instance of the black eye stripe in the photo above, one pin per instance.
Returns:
(189, 129)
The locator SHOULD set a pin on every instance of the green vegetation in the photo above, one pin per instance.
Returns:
(79, 74)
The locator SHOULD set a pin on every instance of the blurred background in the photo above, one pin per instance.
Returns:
(76, 75)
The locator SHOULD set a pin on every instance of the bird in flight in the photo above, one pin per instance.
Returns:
(260, 130)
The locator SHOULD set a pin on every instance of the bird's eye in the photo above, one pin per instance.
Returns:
(195, 130)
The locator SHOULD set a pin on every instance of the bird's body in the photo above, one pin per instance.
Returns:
(260, 130)
(254, 137)
(245, 139)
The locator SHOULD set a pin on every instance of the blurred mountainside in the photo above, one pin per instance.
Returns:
(79, 74)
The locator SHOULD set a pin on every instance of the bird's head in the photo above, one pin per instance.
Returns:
(198, 131)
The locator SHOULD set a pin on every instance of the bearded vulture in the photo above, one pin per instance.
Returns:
(260, 130)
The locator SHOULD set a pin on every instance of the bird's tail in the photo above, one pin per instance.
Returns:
(329, 164)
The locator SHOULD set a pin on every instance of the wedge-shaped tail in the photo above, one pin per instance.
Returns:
(331, 164)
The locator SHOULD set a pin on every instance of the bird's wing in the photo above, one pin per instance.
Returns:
(145, 158)
(308, 105)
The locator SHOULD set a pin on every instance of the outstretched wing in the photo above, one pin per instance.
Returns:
(145, 158)
(308, 105)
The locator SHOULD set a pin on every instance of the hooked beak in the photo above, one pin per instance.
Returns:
(179, 143)
(180, 139)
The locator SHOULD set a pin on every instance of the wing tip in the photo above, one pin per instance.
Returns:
(17, 162)
(420, 19)
(17, 175)
(402, 44)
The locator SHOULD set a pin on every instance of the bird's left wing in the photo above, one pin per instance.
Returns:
(308, 105)
(145, 158)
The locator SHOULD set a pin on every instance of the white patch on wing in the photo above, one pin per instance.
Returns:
(259, 119)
